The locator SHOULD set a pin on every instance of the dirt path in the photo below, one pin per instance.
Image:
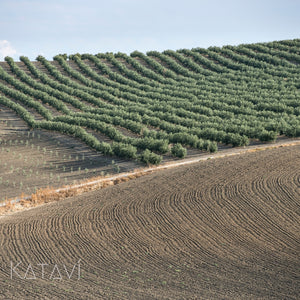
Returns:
(216, 229)
(223, 153)
(168, 165)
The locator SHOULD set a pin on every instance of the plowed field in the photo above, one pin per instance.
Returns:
(226, 228)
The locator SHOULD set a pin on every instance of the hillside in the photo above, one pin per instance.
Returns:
(226, 226)
(146, 105)
(219, 229)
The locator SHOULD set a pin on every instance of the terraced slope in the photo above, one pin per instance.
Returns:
(220, 229)
(147, 102)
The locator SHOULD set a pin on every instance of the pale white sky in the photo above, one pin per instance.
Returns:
(50, 27)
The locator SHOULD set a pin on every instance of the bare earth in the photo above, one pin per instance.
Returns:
(226, 228)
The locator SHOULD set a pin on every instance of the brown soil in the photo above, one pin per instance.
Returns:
(226, 228)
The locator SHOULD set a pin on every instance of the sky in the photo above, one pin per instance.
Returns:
(51, 27)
